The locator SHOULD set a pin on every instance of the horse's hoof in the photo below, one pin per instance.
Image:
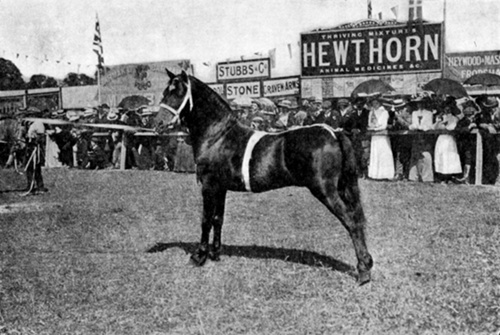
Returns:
(214, 256)
(198, 259)
(364, 278)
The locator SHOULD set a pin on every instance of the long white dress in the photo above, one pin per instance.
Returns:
(381, 159)
(446, 157)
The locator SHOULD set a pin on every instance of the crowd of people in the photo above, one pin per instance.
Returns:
(420, 138)
(73, 143)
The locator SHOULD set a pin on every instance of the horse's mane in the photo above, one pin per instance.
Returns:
(212, 97)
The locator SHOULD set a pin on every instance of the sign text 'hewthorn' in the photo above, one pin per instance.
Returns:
(372, 50)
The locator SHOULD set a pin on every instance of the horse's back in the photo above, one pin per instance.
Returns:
(295, 158)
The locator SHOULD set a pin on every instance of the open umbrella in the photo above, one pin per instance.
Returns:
(370, 88)
(483, 79)
(444, 86)
(133, 102)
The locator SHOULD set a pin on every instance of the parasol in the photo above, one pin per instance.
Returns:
(266, 104)
(133, 102)
(370, 88)
(483, 79)
(444, 86)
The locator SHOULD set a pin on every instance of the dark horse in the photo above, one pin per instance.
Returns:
(232, 157)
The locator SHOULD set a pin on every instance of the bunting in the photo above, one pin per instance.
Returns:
(272, 57)
(395, 11)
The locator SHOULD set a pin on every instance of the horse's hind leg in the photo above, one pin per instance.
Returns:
(352, 217)
(213, 215)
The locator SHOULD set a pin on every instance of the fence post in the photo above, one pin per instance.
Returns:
(123, 152)
(479, 158)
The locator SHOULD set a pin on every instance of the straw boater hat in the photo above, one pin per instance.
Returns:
(486, 102)
(112, 115)
(285, 104)
(394, 104)
(89, 112)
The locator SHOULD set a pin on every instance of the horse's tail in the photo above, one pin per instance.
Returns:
(348, 182)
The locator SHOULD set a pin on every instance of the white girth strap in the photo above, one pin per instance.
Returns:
(245, 166)
(187, 98)
(327, 127)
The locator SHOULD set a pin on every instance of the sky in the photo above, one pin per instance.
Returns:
(54, 37)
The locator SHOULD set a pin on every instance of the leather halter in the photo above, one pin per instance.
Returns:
(176, 112)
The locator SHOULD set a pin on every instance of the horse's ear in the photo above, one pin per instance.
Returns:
(184, 76)
(170, 74)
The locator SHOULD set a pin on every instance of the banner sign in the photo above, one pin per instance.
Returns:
(372, 50)
(249, 89)
(258, 68)
(281, 86)
(218, 88)
(460, 66)
(145, 79)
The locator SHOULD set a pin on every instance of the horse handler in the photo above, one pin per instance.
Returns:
(35, 139)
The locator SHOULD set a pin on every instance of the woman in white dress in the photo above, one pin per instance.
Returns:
(381, 164)
(446, 157)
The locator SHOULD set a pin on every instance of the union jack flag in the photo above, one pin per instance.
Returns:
(97, 44)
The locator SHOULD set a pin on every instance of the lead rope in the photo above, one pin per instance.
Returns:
(33, 158)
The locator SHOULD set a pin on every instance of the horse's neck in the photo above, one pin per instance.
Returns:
(209, 114)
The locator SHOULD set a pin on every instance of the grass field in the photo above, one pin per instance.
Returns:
(107, 252)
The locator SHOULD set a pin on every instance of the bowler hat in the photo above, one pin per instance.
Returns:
(343, 102)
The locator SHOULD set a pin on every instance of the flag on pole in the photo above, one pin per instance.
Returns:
(97, 44)
(369, 9)
(415, 14)
(415, 10)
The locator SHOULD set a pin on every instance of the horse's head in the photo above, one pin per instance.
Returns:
(177, 97)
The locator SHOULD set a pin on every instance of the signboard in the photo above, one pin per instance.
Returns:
(460, 66)
(281, 86)
(372, 50)
(218, 88)
(258, 68)
(145, 79)
(249, 89)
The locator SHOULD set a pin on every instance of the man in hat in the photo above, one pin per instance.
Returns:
(315, 114)
(421, 167)
(285, 117)
(357, 124)
(401, 144)
(484, 121)
(338, 118)
(466, 142)
(35, 138)
(102, 113)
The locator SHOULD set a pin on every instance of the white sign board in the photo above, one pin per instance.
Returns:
(243, 70)
(283, 86)
(248, 89)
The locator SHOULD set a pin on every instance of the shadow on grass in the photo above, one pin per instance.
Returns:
(288, 255)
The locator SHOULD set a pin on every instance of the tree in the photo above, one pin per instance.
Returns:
(75, 79)
(41, 81)
(10, 76)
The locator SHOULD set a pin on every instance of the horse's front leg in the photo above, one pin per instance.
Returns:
(213, 212)
(218, 219)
